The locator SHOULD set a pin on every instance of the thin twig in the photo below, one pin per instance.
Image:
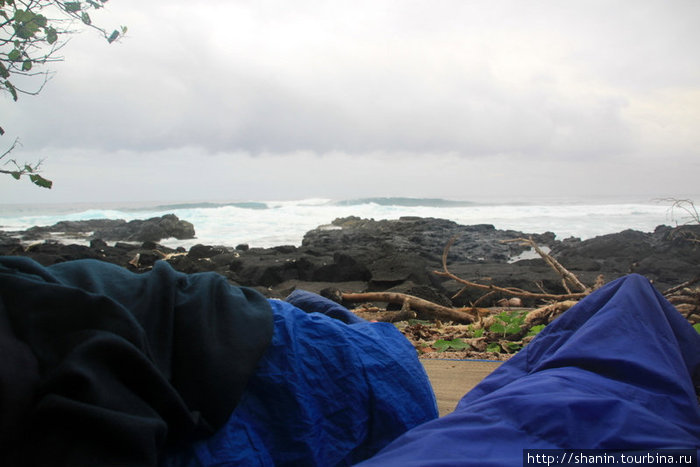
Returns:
(419, 305)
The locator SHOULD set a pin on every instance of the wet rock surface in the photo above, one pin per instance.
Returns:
(357, 255)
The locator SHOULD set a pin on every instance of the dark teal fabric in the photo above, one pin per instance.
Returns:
(101, 366)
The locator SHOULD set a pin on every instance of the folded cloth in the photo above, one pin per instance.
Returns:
(101, 366)
(325, 393)
(617, 371)
(314, 303)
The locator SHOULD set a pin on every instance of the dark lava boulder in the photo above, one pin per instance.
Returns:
(668, 256)
(153, 229)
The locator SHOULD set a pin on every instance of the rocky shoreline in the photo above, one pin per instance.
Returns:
(358, 255)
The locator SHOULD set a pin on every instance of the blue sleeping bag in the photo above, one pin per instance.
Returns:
(617, 372)
(332, 389)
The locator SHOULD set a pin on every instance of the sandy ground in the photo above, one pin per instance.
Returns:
(452, 379)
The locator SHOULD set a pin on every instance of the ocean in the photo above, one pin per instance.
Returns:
(274, 223)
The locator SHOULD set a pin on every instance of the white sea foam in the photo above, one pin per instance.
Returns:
(272, 223)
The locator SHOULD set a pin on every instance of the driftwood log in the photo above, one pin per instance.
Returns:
(423, 308)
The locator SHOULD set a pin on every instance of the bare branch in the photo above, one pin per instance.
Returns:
(12, 148)
(504, 290)
(566, 275)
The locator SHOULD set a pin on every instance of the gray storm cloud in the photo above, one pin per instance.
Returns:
(595, 81)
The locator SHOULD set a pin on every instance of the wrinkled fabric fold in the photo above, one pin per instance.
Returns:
(325, 393)
(119, 365)
(617, 371)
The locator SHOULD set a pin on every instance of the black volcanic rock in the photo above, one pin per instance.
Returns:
(667, 256)
(424, 237)
(153, 229)
(398, 255)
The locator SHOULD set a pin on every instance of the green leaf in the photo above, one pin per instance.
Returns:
(40, 20)
(16, 175)
(697, 327)
(504, 316)
(2, 131)
(512, 328)
(3, 71)
(441, 345)
(51, 35)
(479, 332)
(113, 37)
(15, 55)
(72, 7)
(22, 31)
(38, 180)
(23, 16)
(458, 344)
(498, 328)
(27, 65)
(514, 346)
(455, 344)
(518, 319)
(86, 18)
(12, 90)
(493, 347)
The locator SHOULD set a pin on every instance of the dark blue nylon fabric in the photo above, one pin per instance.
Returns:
(325, 393)
(617, 371)
(314, 303)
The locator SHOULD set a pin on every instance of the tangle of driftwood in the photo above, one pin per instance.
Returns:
(412, 306)
(514, 291)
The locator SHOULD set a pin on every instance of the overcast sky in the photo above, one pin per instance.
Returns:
(461, 99)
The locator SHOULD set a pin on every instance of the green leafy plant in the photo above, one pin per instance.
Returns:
(443, 345)
(494, 347)
(508, 323)
(697, 327)
(514, 346)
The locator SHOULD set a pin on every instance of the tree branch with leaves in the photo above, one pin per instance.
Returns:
(32, 32)
(20, 170)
